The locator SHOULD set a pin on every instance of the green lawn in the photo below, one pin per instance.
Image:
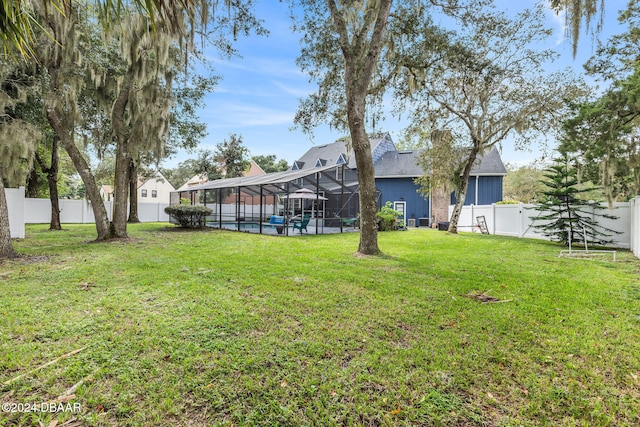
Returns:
(198, 328)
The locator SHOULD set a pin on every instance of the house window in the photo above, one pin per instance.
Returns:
(341, 160)
(144, 193)
(154, 193)
(339, 174)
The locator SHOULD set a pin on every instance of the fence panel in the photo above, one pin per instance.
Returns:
(508, 220)
(152, 212)
(519, 221)
(15, 204)
(634, 226)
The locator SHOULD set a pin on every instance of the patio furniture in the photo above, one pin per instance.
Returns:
(354, 222)
(277, 222)
(301, 224)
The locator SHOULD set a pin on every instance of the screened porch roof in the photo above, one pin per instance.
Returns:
(272, 182)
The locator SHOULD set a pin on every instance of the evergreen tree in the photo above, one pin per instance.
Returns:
(565, 216)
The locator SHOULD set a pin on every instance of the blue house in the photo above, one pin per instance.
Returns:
(396, 170)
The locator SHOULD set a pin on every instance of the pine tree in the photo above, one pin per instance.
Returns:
(566, 217)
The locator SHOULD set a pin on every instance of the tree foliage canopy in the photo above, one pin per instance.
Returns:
(229, 160)
(480, 84)
(269, 163)
(604, 133)
(566, 217)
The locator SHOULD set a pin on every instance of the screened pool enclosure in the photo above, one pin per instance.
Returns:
(319, 200)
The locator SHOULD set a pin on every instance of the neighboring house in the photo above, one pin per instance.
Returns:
(395, 171)
(254, 170)
(106, 192)
(193, 181)
(150, 190)
(196, 180)
(156, 189)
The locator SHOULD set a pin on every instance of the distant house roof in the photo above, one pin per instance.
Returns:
(157, 176)
(193, 181)
(404, 164)
(254, 170)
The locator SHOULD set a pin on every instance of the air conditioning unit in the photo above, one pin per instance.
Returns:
(423, 222)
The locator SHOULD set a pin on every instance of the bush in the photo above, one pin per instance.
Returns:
(388, 218)
(188, 216)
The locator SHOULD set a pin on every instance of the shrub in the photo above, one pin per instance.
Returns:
(388, 218)
(188, 216)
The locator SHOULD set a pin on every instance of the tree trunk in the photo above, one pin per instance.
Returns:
(6, 248)
(123, 159)
(133, 193)
(361, 60)
(52, 180)
(120, 192)
(84, 170)
(461, 195)
(366, 180)
(32, 183)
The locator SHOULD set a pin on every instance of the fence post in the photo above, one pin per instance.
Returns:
(472, 217)
(493, 219)
(634, 238)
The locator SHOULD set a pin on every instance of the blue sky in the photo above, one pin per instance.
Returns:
(259, 92)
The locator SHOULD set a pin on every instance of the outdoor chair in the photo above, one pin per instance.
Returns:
(301, 224)
(354, 222)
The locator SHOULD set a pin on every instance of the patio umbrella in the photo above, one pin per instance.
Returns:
(304, 194)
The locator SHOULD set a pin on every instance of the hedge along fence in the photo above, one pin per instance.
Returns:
(189, 216)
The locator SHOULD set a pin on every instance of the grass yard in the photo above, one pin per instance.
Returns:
(214, 327)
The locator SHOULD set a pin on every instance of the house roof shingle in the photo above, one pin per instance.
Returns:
(330, 153)
(395, 164)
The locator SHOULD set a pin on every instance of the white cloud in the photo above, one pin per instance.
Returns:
(259, 65)
(292, 90)
(235, 115)
(559, 24)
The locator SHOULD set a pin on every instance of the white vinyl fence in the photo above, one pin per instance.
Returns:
(505, 220)
(15, 202)
(517, 220)
(38, 211)
(634, 226)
